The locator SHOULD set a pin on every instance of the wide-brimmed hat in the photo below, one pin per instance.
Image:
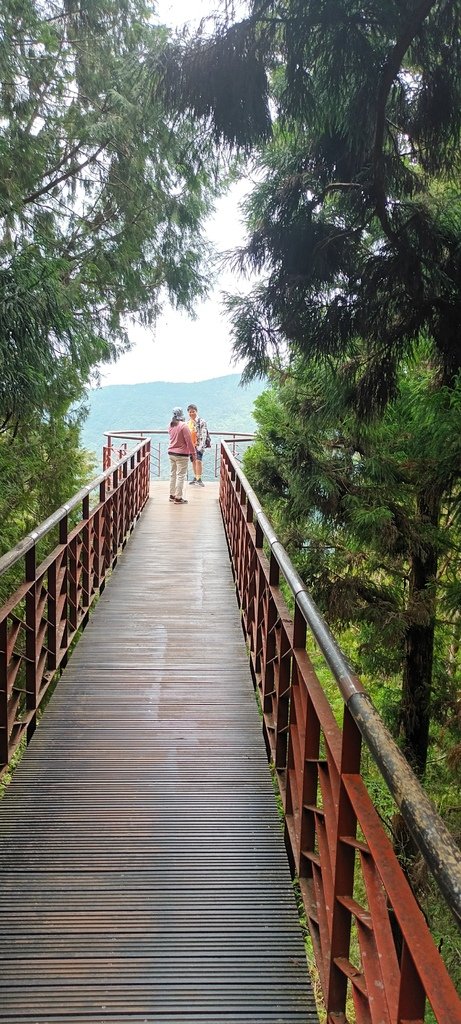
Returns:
(178, 413)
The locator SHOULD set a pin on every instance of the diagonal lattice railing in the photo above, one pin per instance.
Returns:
(369, 936)
(54, 590)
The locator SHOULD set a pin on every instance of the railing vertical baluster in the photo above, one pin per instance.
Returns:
(4, 724)
(343, 862)
(283, 682)
(53, 602)
(96, 549)
(412, 999)
(296, 751)
(259, 602)
(124, 518)
(58, 600)
(114, 518)
(72, 570)
(62, 623)
(58, 594)
(104, 524)
(351, 887)
(31, 640)
(309, 793)
(86, 559)
(267, 661)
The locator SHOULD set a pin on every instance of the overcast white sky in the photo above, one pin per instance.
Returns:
(179, 348)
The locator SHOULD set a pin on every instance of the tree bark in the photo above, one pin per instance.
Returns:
(419, 640)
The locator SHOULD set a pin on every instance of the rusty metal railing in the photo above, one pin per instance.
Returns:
(369, 936)
(116, 439)
(111, 454)
(51, 603)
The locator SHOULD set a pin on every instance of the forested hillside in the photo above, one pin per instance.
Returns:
(222, 401)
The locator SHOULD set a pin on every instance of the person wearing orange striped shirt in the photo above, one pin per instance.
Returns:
(199, 430)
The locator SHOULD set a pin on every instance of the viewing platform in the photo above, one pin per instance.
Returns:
(144, 875)
(188, 766)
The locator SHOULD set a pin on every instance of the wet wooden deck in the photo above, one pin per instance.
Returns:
(143, 870)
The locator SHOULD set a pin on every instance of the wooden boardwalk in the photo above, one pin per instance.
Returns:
(143, 870)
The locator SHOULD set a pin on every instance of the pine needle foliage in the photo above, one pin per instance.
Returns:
(370, 512)
(103, 191)
(355, 225)
(220, 80)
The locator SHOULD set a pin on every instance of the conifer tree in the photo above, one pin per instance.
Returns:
(102, 194)
(355, 226)
(351, 503)
(354, 232)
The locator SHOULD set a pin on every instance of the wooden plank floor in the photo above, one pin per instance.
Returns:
(144, 876)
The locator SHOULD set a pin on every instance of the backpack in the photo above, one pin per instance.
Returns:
(208, 438)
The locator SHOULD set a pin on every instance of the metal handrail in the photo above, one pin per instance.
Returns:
(51, 601)
(11, 557)
(243, 435)
(429, 831)
(232, 437)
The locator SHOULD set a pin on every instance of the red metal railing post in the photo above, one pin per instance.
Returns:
(107, 453)
(282, 688)
(4, 724)
(412, 999)
(342, 858)
(86, 556)
(31, 641)
(124, 519)
(73, 571)
(105, 529)
(57, 594)
(58, 600)
(350, 886)
(115, 518)
(96, 551)
(294, 795)
(53, 601)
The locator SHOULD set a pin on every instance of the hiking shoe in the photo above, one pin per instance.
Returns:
(180, 501)
(200, 483)
(192, 482)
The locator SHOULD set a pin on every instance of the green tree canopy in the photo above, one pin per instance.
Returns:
(354, 230)
(371, 513)
(103, 191)
(355, 226)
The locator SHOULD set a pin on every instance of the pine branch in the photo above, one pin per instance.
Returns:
(71, 172)
(388, 75)
(41, 93)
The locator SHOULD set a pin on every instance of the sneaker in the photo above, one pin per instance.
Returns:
(180, 501)
(192, 482)
(172, 497)
(200, 483)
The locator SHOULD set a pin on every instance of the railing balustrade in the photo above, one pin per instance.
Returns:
(369, 936)
(40, 620)
(116, 439)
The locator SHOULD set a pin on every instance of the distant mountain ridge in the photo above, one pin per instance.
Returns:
(222, 401)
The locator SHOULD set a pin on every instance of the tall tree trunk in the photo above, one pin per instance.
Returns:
(419, 640)
(453, 653)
